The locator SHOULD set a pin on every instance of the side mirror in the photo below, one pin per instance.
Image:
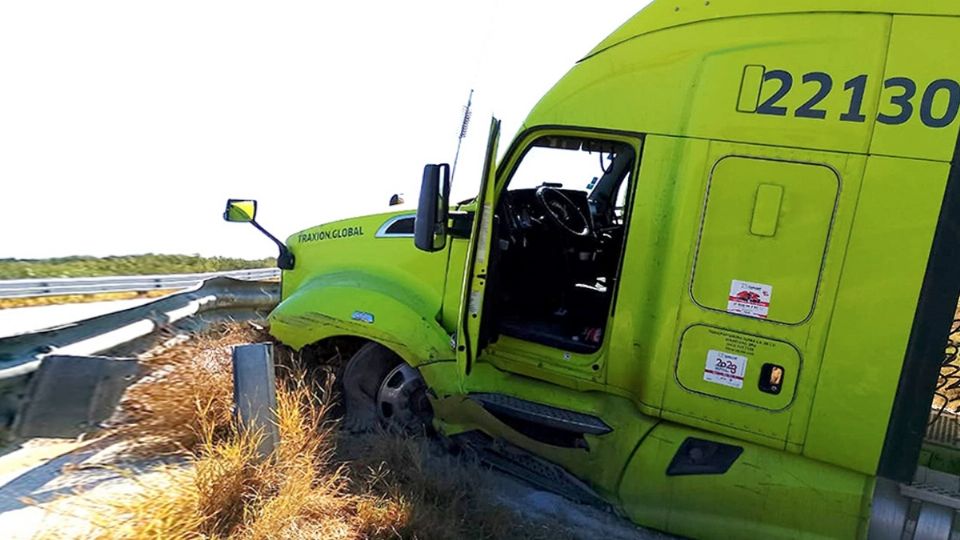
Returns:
(240, 211)
(245, 211)
(430, 226)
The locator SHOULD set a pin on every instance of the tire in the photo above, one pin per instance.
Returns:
(380, 389)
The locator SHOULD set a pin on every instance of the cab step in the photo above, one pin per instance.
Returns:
(930, 493)
(927, 508)
(517, 462)
(545, 415)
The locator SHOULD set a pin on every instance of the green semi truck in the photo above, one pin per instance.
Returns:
(709, 283)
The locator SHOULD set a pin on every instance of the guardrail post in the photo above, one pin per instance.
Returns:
(255, 393)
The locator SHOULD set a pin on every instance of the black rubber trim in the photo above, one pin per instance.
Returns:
(928, 338)
(700, 456)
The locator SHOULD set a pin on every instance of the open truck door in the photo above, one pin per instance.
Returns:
(470, 338)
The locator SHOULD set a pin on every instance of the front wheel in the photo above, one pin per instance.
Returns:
(381, 389)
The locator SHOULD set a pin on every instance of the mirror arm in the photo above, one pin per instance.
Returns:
(285, 260)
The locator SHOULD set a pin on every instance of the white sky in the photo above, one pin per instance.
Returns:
(125, 125)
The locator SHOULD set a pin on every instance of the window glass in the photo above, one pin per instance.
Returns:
(566, 162)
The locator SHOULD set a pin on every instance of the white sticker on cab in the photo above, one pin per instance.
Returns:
(750, 299)
(725, 368)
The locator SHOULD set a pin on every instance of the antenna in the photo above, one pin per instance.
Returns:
(463, 133)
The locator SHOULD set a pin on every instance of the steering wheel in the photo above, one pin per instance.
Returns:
(563, 212)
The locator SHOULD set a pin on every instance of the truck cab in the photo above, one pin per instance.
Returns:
(709, 284)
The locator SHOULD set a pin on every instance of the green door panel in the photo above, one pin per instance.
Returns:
(656, 269)
(791, 205)
(363, 305)
(469, 339)
(812, 200)
(708, 361)
(884, 267)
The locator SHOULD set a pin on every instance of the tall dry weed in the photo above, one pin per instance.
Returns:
(226, 490)
(188, 389)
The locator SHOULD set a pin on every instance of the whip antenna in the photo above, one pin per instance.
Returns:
(464, 125)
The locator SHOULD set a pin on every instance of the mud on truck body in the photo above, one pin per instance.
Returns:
(709, 284)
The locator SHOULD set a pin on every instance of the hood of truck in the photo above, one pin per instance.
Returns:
(346, 244)
(364, 276)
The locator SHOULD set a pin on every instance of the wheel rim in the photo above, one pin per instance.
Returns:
(401, 398)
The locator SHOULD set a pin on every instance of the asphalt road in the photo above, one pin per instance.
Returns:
(27, 319)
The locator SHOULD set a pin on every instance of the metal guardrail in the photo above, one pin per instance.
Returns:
(217, 299)
(24, 288)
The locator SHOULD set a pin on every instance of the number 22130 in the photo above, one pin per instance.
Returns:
(903, 93)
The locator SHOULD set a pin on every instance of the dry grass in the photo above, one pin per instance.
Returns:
(188, 391)
(9, 303)
(318, 483)
(227, 491)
